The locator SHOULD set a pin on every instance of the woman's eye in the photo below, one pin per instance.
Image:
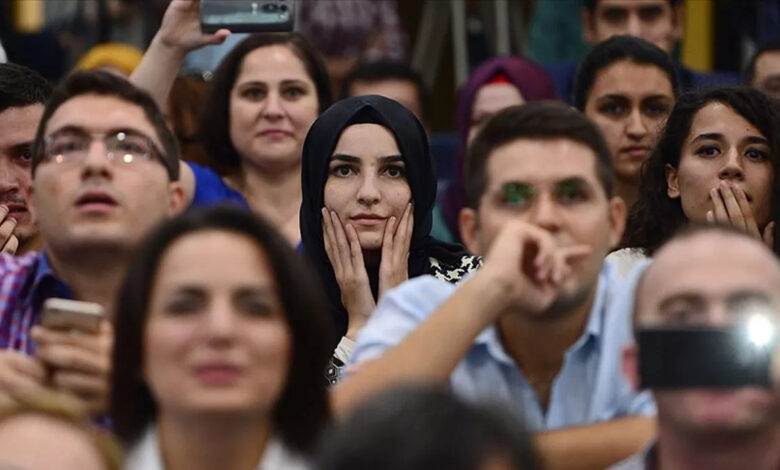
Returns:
(707, 151)
(25, 154)
(756, 155)
(255, 308)
(656, 110)
(183, 306)
(253, 93)
(395, 172)
(342, 171)
(293, 92)
(613, 109)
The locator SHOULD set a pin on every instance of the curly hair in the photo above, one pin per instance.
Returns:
(655, 217)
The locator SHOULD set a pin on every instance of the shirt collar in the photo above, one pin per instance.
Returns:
(46, 284)
(490, 339)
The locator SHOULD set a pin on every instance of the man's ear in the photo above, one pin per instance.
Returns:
(672, 184)
(469, 229)
(587, 18)
(177, 198)
(630, 365)
(617, 220)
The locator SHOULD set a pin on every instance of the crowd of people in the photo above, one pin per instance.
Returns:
(282, 285)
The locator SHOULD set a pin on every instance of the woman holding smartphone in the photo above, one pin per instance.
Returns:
(223, 344)
(264, 97)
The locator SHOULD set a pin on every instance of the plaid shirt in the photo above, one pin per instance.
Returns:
(25, 283)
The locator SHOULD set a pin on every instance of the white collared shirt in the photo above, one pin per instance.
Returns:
(146, 455)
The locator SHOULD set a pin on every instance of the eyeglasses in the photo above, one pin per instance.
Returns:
(126, 147)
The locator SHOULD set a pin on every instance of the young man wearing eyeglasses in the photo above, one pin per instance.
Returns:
(104, 172)
(542, 326)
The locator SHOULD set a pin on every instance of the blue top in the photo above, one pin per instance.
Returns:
(210, 190)
(590, 386)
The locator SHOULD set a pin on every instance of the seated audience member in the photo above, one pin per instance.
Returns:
(687, 287)
(627, 87)
(714, 162)
(114, 57)
(224, 340)
(262, 100)
(23, 94)
(423, 429)
(183, 112)
(104, 172)
(541, 325)
(497, 84)
(763, 71)
(660, 22)
(368, 192)
(49, 431)
(394, 80)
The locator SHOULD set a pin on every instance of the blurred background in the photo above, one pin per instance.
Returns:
(442, 39)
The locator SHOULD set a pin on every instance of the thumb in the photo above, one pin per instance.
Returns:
(216, 38)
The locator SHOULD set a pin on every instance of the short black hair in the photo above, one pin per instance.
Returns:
(21, 86)
(381, 70)
(591, 4)
(542, 120)
(750, 71)
(107, 84)
(655, 217)
(426, 428)
(616, 49)
(303, 407)
(214, 127)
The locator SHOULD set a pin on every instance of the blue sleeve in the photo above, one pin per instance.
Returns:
(210, 190)
(399, 313)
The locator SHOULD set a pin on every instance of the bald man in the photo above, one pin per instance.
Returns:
(699, 279)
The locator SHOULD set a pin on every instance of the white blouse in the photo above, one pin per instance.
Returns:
(146, 455)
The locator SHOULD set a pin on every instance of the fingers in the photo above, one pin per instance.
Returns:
(356, 251)
(407, 223)
(329, 238)
(20, 374)
(72, 358)
(746, 211)
(12, 246)
(92, 343)
(80, 384)
(719, 207)
(388, 238)
(7, 230)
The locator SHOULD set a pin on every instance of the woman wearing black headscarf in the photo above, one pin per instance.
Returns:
(368, 193)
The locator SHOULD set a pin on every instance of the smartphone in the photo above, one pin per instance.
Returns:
(247, 16)
(72, 315)
(704, 358)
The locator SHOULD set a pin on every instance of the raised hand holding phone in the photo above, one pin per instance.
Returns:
(8, 242)
(75, 342)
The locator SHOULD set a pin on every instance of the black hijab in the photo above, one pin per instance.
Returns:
(413, 143)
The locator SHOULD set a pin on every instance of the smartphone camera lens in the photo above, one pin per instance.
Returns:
(283, 8)
(270, 8)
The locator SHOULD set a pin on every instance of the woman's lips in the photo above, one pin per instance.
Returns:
(636, 152)
(218, 374)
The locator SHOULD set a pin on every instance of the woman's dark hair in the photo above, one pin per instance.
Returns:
(616, 49)
(655, 217)
(421, 429)
(303, 407)
(215, 121)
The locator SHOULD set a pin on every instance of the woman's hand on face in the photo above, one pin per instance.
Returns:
(394, 267)
(346, 257)
(731, 207)
(180, 28)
